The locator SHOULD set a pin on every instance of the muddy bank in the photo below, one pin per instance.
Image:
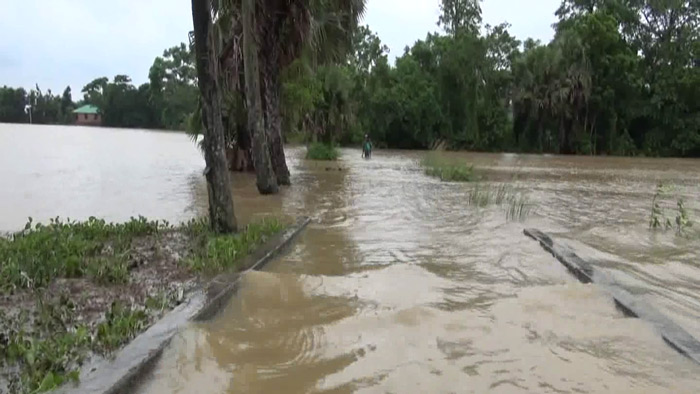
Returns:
(74, 293)
(125, 372)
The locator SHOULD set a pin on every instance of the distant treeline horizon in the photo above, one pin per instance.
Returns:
(618, 78)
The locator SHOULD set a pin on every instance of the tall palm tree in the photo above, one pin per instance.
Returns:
(221, 214)
(579, 86)
(285, 29)
(324, 25)
(267, 181)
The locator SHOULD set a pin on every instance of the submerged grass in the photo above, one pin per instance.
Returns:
(447, 171)
(43, 346)
(517, 205)
(321, 151)
(658, 219)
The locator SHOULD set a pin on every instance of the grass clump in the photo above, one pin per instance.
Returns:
(121, 324)
(214, 253)
(321, 151)
(518, 208)
(32, 258)
(447, 171)
(517, 205)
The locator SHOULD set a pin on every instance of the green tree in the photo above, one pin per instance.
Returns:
(46, 108)
(173, 90)
(285, 30)
(460, 16)
(12, 103)
(121, 103)
(619, 77)
(67, 105)
(93, 92)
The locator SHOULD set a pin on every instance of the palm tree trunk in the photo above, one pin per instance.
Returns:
(540, 121)
(273, 118)
(266, 180)
(562, 135)
(221, 212)
(585, 126)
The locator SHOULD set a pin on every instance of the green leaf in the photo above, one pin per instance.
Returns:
(49, 382)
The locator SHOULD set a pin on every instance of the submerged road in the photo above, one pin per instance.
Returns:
(399, 285)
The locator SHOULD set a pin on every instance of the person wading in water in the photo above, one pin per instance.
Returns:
(367, 147)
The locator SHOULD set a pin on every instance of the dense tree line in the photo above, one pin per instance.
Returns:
(165, 102)
(619, 77)
(47, 108)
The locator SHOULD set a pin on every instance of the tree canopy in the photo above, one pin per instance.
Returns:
(165, 102)
(619, 77)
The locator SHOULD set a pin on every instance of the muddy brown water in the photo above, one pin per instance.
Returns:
(398, 286)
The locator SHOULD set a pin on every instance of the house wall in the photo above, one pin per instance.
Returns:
(88, 119)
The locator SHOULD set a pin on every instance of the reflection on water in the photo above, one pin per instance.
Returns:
(398, 285)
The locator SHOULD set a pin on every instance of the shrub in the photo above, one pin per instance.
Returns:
(320, 151)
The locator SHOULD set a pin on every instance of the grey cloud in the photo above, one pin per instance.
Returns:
(69, 42)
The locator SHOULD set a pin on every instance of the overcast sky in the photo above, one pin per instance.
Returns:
(70, 42)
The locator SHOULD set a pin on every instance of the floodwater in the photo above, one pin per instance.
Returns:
(398, 285)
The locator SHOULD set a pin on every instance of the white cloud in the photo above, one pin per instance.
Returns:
(400, 23)
(529, 18)
(69, 42)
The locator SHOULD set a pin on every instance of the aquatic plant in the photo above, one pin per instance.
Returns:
(658, 218)
(216, 252)
(519, 207)
(48, 351)
(683, 222)
(448, 171)
(517, 204)
(33, 257)
(320, 151)
(42, 347)
(120, 325)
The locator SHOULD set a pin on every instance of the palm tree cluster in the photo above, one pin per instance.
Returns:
(551, 85)
(242, 46)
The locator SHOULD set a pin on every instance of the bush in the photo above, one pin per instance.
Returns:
(320, 151)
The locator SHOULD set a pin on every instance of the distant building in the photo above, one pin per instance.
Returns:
(88, 115)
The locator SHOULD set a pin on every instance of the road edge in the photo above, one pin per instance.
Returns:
(123, 373)
(674, 335)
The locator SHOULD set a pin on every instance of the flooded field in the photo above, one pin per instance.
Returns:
(399, 285)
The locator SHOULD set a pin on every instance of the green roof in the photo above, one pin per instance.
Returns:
(86, 109)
